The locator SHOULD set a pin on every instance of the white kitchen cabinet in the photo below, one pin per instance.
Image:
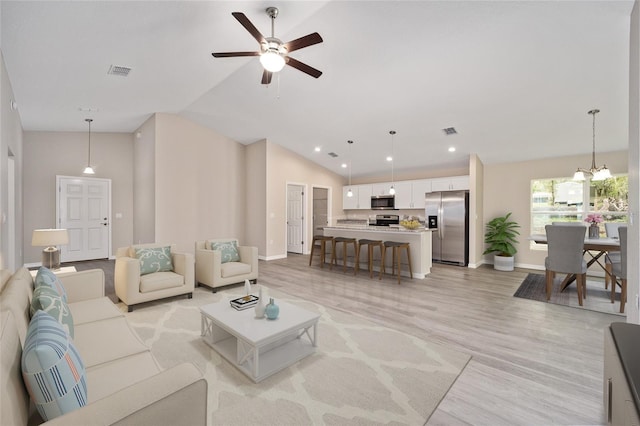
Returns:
(418, 189)
(364, 197)
(361, 198)
(349, 203)
(380, 188)
(453, 183)
(403, 199)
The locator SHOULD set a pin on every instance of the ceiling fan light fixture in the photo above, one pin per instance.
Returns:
(272, 60)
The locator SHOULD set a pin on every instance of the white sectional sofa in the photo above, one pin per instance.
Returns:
(125, 384)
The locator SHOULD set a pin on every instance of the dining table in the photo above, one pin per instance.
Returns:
(601, 246)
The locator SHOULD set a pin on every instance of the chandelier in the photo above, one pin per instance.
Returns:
(596, 173)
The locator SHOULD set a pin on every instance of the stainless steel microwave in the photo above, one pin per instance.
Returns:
(383, 202)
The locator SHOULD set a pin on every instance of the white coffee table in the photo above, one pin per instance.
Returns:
(259, 347)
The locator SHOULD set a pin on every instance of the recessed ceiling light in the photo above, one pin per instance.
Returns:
(389, 158)
(344, 165)
(317, 149)
(452, 149)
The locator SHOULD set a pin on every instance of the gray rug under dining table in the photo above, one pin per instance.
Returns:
(598, 299)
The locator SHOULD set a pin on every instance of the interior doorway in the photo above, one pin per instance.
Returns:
(83, 207)
(320, 209)
(295, 218)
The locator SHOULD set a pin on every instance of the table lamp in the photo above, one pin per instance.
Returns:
(50, 238)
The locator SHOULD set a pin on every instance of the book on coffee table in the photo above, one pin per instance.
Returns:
(244, 302)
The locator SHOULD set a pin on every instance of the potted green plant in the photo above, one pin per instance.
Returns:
(501, 236)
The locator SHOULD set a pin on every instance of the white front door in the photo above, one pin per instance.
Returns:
(295, 219)
(84, 206)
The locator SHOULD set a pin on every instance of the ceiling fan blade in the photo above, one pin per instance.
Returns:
(266, 77)
(304, 67)
(299, 43)
(246, 23)
(233, 54)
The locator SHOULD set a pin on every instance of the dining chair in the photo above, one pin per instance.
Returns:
(611, 230)
(565, 255)
(619, 270)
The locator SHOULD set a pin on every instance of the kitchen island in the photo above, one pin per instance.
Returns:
(419, 240)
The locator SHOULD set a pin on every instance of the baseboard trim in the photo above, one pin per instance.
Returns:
(268, 258)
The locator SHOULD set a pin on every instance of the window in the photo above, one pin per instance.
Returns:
(564, 200)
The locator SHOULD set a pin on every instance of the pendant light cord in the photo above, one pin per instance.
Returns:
(89, 120)
(593, 153)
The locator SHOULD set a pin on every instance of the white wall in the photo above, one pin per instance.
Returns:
(256, 196)
(199, 183)
(10, 141)
(507, 189)
(144, 183)
(284, 166)
(47, 154)
(633, 271)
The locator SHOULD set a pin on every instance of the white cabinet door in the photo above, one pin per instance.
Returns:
(459, 182)
(403, 195)
(418, 189)
(453, 183)
(364, 197)
(349, 202)
(380, 188)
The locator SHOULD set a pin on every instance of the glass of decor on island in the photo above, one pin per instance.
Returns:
(593, 220)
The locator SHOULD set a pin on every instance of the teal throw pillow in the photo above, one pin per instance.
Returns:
(48, 278)
(48, 300)
(52, 369)
(228, 249)
(157, 259)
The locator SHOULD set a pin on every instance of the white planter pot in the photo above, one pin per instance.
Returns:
(503, 263)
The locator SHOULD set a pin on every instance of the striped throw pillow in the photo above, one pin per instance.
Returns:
(52, 369)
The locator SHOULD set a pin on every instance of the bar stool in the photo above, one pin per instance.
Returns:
(344, 242)
(323, 248)
(371, 245)
(396, 246)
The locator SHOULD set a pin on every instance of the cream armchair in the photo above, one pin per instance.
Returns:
(134, 283)
(213, 272)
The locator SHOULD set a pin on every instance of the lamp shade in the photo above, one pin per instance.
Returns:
(49, 237)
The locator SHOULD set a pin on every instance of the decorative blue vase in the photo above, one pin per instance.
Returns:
(272, 310)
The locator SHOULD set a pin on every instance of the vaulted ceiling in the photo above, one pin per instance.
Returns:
(514, 78)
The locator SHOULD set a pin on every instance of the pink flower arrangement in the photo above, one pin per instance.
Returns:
(594, 218)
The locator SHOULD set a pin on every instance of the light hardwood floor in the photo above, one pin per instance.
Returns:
(532, 363)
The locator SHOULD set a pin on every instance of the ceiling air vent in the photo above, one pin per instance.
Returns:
(332, 154)
(449, 131)
(118, 70)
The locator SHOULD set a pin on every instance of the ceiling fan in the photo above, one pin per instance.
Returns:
(274, 54)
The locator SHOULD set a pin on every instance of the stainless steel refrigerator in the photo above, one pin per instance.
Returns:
(448, 211)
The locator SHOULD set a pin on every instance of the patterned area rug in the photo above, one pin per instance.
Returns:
(361, 373)
(598, 299)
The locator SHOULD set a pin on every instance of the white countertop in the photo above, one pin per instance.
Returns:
(371, 228)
